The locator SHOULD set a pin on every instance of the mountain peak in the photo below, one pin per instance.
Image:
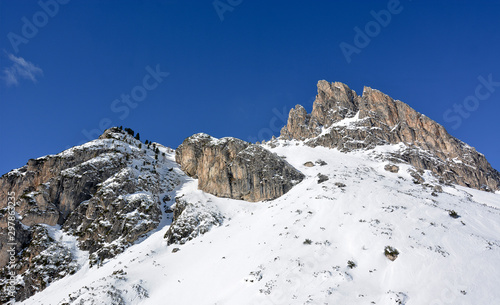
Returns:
(112, 132)
(341, 119)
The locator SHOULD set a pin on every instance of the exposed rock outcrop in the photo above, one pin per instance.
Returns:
(341, 119)
(190, 220)
(233, 168)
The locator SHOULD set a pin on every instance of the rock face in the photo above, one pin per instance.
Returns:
(107, 193)
(341, 119)
(233, 168)
(43, 261)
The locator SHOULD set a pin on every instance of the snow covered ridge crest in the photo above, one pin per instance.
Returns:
(341, 119)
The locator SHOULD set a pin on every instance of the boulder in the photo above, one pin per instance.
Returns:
(308, 164)
(322, 178)
(391, 168)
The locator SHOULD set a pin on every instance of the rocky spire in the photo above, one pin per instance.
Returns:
(341, 119)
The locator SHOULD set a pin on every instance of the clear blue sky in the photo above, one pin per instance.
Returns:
(230, 67)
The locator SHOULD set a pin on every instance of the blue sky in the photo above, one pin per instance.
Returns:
(236, 67)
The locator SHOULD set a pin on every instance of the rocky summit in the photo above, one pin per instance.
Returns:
(344, 120)
(349, 201)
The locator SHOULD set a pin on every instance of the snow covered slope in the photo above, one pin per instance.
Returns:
(320, 243)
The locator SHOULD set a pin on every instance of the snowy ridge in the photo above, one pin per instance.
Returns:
(320, 243)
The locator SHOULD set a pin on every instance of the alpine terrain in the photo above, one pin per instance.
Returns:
(362, 201)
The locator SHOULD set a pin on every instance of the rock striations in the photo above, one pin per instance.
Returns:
(341, 119)
(233, 168)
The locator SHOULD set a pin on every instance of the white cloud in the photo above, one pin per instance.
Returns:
(20, 69)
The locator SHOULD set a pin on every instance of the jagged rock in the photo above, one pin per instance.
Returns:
(233, 168)
(391, 168)
(341, 119)
(46, 260)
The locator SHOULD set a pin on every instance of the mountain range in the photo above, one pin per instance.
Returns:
(362, 201)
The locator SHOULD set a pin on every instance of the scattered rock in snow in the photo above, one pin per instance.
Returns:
(391, 168)
(308, 164)
(320, 162)
(391, 253)
(322, 178)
